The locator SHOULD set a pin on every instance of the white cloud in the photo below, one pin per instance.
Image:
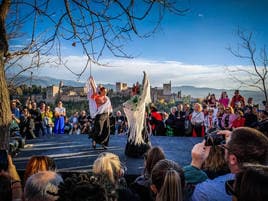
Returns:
(130, 71)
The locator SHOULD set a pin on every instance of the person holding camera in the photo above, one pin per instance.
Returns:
(26, 125)
(243, 145)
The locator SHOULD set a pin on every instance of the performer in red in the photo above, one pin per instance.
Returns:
(101, 130)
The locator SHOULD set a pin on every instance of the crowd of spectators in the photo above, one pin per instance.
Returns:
(31, 120)
(210, 115)
(243, 175)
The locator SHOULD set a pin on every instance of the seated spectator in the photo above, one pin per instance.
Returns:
(142, 184)
(263, 123)
(84, 123)
(215, 164)
(244, 145)
(250, 184)
(193, 173)
(5, 188)
(228, 118)
(109, 165)
(37, 164)
(167, 181)
(76, 130)
(67, 126)
(239, 121)
(42, 186)
(251, 118)
(10, 183)
(120, 121)
(82, 187)
(219, 115)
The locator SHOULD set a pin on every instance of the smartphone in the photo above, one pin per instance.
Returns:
(3, 160)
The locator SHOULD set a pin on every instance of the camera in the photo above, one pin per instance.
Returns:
(214, 139)
(3, 160)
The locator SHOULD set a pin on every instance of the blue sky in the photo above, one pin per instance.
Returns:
(188, 50)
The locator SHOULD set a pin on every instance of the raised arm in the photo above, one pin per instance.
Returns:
(91, 82)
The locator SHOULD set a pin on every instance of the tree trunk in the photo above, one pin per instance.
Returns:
(5, 113)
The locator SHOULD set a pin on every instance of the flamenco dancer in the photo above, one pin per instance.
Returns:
(100, 109)
(138, 140)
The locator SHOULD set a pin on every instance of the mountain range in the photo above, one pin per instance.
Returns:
(196, 92)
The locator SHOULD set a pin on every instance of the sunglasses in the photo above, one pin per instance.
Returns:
(229, 187)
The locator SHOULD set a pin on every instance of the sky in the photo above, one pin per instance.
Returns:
(186, 50)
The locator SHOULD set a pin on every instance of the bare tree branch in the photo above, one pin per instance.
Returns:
(257, 74)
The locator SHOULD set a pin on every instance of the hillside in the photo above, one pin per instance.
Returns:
(195, 92)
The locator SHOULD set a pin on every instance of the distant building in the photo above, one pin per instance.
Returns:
(52, 91)
(163, 93)
(167, 89)
(120, 86)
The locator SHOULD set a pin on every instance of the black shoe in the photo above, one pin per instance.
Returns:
(94, 144)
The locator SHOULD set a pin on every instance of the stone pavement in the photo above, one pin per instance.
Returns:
(74, 153)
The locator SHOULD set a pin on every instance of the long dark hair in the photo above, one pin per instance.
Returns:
(252, 183)
(152, 156)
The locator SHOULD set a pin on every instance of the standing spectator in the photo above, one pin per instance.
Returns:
(197, 119)
(156, 121)
(224, 100)
(48, 120)
(170, 122)
(237, 99)
(210, 121)
(179, 121)
(187, 122)
(59, 113)
(212, 101)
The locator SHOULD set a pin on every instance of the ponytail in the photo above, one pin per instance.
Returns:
(171, 189)
(168, 178)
